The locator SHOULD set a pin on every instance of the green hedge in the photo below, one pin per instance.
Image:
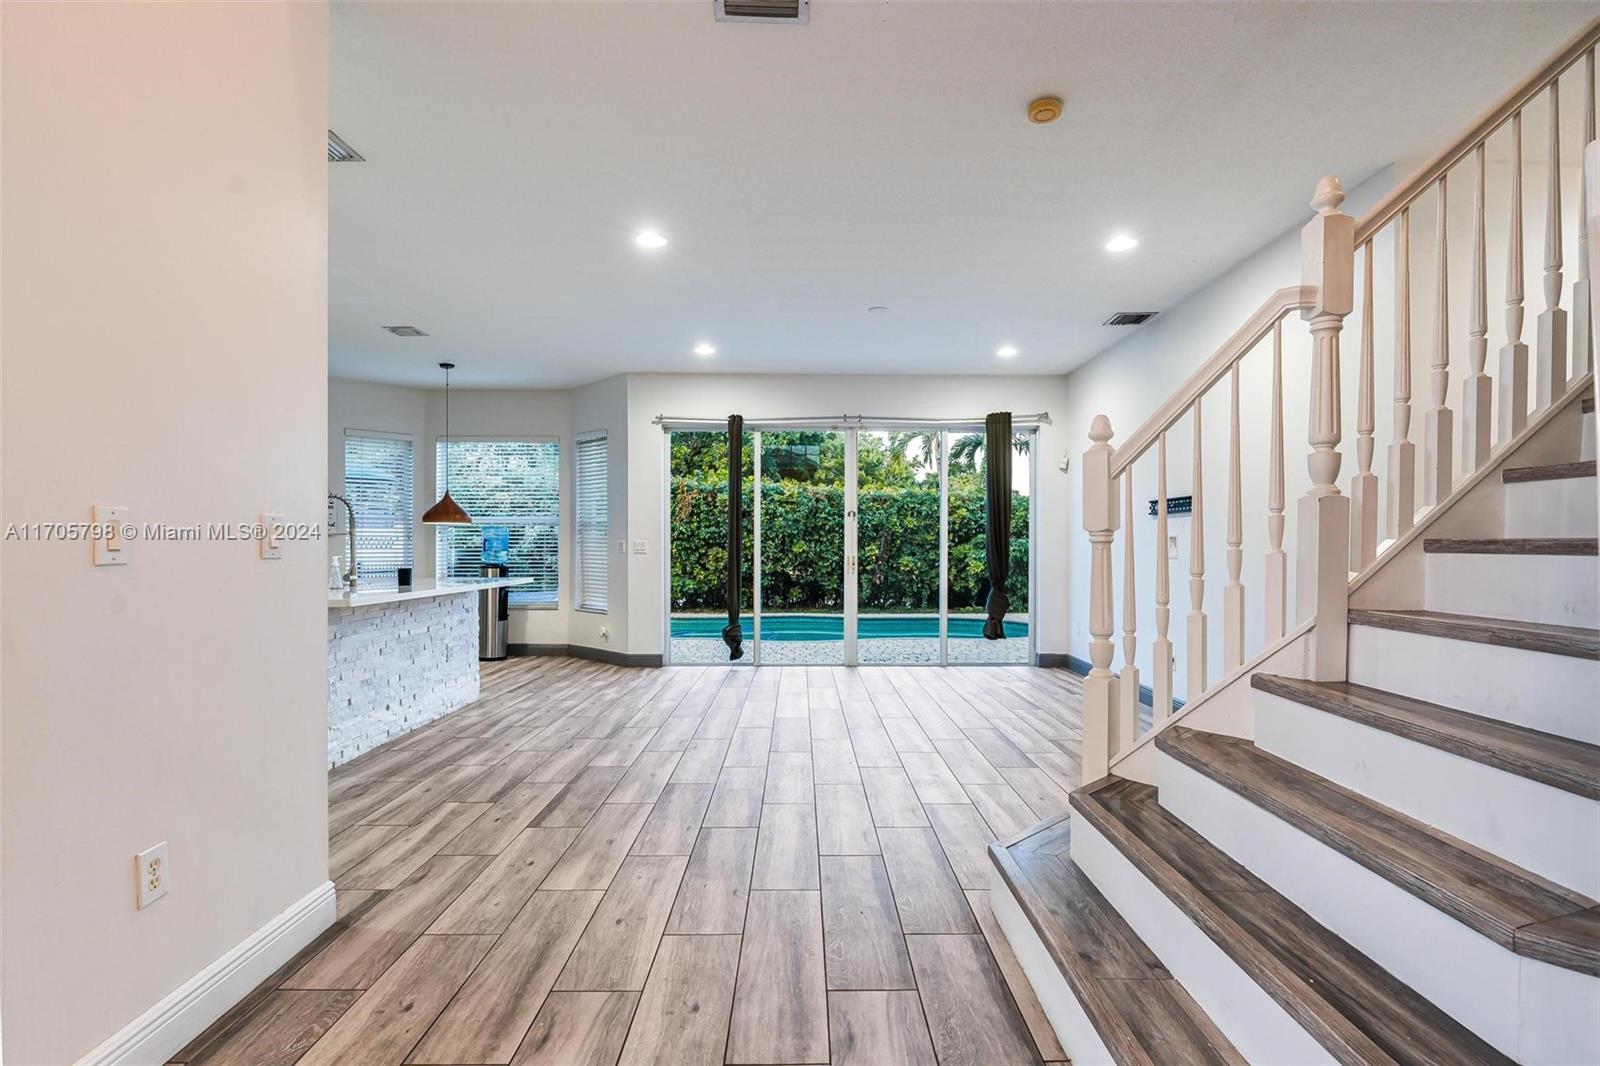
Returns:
(802, 536)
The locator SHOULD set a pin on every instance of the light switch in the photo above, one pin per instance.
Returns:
(271, 541)
(638, 547)
(110, 542)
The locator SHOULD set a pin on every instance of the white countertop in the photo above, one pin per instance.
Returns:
(420, 590)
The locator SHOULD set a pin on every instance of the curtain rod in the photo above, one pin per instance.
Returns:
(851, 421)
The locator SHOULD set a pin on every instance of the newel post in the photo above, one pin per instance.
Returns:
(1327, 258)
(1100, 521)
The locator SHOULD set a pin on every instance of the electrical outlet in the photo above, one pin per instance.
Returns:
(605, 634)
(152, 875)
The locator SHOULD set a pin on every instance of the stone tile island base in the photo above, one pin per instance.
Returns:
(393, 667)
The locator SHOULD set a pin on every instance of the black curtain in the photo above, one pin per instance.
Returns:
(997, 520)
(732, 635)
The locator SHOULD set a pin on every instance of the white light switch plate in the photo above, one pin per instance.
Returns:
(110, 546)
(271, 541)
(622, 547)
(638, 547)
(152, 874)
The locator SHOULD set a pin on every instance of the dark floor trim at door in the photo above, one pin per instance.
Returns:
(578, 651)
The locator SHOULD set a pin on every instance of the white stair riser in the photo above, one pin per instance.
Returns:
(1067, 1016)
(1468, 976)
(1557, 589)
(1561, 507)
(1540, 828)
(1253, 1021)
(1551, 693)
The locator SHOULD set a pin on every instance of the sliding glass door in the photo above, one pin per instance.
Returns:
(862, 545)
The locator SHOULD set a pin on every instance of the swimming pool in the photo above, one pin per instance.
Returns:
(831, 626)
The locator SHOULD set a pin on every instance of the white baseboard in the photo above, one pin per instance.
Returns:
(183, 1014)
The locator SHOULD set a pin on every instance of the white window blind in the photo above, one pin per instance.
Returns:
(378, 474)
(593, 507)
(511, 483)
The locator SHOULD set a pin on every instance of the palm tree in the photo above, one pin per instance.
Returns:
(921, 442)
(966, 451)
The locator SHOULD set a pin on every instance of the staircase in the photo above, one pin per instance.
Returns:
(1376, 837)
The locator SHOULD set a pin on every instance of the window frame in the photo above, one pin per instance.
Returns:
(557, 524)
(580, 588)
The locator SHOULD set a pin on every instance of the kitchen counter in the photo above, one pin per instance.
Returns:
(400, 658)
(420, 590)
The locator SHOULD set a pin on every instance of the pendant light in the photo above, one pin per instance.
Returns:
(446, 511)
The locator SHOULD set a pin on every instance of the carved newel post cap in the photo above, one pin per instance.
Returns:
(1100, 429)
(1329, 195)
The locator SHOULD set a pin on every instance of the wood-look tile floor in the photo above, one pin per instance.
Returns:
(593, 864)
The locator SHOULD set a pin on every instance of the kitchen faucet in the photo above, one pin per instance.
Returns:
(350, 532)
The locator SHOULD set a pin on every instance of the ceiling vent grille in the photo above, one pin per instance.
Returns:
(405, 331)
(792, 12)
(339, 152)
(1129, 318)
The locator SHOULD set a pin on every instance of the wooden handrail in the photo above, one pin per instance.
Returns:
(1485, 124)
(1279, 304)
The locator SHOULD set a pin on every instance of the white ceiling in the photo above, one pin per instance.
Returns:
(878, 155)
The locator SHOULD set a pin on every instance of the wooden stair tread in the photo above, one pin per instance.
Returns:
(1575, 641)
(1354, 1008)
(1560, 762)
(1518, 910)
(1141, 1013)
(1510, 546)
(1551, 472)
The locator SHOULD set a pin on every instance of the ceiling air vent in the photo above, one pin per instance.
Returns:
(405, 331)
(789, 11)
(1129, 318)
(339, 152)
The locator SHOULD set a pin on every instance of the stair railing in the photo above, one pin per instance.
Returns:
(1337, 534)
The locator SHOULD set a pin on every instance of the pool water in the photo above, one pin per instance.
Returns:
(831, 626)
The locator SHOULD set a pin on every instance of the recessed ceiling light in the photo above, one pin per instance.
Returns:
(705, 348)
(650, 238)
(1122, 242)
(1006, 351)
(877, 309)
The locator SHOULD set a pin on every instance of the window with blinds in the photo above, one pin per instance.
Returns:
(511, 483)
(593, 513)
(378, 474)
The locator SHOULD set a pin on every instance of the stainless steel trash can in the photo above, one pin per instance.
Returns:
(494, 611)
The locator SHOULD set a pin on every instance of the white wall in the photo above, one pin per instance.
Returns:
(164, 348)
(777, 396)
(603, 406)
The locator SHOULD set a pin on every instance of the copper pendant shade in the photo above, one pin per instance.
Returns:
(447, 511)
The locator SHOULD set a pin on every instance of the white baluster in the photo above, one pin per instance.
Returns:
(1100, 522)
(1195, 649)
(1582, 337)
(1128, 682)
(1550, 376)
(1402, 485)
(1476, 389)
(1277, 562)
(1328, 260)
(1233, 593)
(1514, 354)
(1364, 486)
(1161, 648)
(1437, 431)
